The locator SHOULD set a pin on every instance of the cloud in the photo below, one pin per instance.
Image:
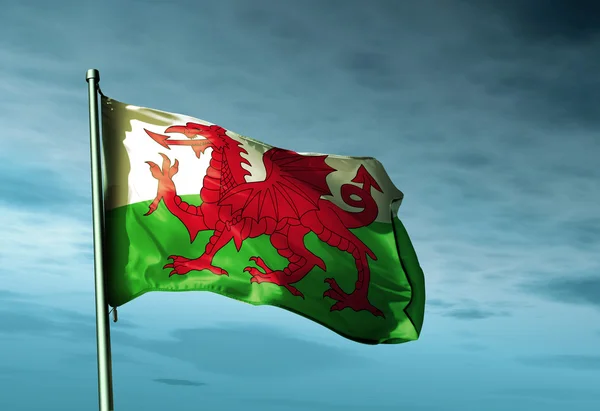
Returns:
(573, 22)
(285, 24)
(243, 349)
(573, 361)
(561, 394)
(472, 160)
(370, 69)
(541, 52)
(473, 347)
(474, 314)
(181, 383)
(577, 172)
(90, 359)
(19, 372)
(468, 309)
(247, 350)
(435, 302)
(583, 232)
(268, 404)
(20, 323)
(573, 290)
(27, 315)
(36, 187)
(8, 295)
(51, 245)
(22, 317)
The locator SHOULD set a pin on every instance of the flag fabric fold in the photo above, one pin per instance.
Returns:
(191, 206)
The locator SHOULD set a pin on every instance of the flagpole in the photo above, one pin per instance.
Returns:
(105, 392)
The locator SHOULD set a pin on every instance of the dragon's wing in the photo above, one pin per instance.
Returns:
(293, 185)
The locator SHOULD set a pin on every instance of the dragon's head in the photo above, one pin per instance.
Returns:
(214, 136)
(202, 137)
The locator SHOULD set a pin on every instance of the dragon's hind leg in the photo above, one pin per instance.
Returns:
(289, 243)
(332, 231)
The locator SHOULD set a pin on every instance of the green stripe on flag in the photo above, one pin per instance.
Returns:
(138, 247)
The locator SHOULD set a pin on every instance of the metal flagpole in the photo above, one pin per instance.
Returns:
(105, 392)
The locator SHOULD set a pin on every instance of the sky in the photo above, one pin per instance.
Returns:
(485, 114)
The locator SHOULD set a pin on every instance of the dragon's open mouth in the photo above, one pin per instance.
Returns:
(188, 132)
(196, 141)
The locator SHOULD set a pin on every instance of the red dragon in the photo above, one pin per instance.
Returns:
(286, 206)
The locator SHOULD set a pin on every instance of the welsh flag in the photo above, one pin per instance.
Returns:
(192, 206)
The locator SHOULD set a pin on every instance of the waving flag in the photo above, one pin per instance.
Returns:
(191, 206)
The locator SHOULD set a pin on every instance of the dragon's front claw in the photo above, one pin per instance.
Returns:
(165, 180)
(183, 265)
(166, 173)
(155, 170)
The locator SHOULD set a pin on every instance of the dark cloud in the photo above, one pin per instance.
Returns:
(370, 69)
(243, 349)
(575, 290)
(268, 404)
(282, 23)
(9, 295)
(567, 95)
(435, 302)
(178, 382)
(554, 394)
(15, 323)
(21, 315)
(246, 350)
(531, 186)
(474, 314)
(540, 58)
(90, 359)
(35, 188)
(576, 172)
(473, 347)
(250, 107)
(574, 362)
(574, 21)
(6, 371)
(582, 232)
(471, 160)
(469, 188)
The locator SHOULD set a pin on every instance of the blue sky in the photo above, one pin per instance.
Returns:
(485, 114)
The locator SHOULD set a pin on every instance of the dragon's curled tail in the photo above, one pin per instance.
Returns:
(362, 199)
